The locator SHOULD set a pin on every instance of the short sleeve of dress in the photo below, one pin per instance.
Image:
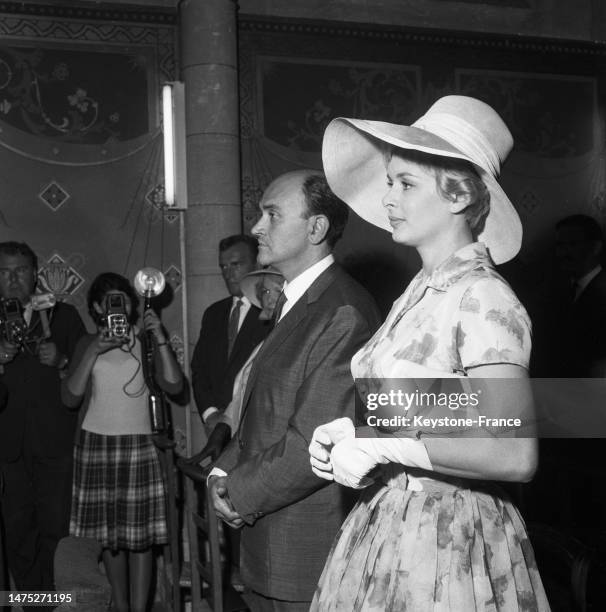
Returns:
(493, 326)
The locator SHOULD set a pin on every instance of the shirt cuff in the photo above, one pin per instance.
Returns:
(215, 472)
(210, 410)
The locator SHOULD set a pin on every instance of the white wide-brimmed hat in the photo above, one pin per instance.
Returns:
(353, 153)
(248, 284)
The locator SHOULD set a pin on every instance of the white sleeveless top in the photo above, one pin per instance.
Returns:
(118, 402)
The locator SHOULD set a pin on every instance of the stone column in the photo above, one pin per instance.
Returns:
(209, 68)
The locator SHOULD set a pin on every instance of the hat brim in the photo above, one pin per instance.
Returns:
(354, 163)
(248, 285)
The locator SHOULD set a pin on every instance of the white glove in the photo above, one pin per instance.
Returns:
(351, 463)
(323, 439)
(353, 458)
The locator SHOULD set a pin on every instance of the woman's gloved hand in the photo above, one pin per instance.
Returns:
(322, 441)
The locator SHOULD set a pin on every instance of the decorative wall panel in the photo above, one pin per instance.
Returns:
(80, 145)
(79, 132)
(374, 91)
(297, 76)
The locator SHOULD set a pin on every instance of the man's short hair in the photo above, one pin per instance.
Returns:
(249, 241)
(322, 201)
(13, 248)
(591, 229)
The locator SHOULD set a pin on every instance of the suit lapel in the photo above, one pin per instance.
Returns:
(249, 319)
(590, 295)
(221, 334)
(275, 340)
(286, 326)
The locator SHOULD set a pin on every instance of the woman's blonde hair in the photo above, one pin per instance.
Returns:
(454, 178)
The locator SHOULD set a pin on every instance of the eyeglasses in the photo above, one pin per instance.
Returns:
(20, 272)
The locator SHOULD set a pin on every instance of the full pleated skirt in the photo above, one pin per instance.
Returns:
(455, 546)
(118, 495)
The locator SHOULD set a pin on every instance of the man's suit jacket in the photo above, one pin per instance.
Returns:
(34, 419)
(300, 379)
(213, 371)
(582, 333)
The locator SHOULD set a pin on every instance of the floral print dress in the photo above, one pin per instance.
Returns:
(418, 540)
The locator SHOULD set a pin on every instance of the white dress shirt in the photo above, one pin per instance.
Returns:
(244, 308)
(300, 284)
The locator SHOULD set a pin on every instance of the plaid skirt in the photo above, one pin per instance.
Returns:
(118, 495)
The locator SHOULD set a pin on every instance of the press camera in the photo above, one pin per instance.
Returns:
(115, 318)
(12, 324)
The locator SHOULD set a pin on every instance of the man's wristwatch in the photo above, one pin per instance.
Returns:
(63, 363)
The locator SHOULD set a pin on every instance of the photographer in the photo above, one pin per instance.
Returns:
(118, 493)
(36, 432)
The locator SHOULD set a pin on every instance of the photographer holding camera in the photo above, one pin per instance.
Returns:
(36, 432)
(118, 492)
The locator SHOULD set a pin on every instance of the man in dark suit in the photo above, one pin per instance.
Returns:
(299, 379)
(582, 324)
(570, 342)
(230, 330)
(581, 333)
(36, 430)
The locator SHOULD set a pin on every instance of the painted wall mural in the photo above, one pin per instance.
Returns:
(385, 92)
(550, 115)
(76, 96)
(59, 275)
(80, 145)
(295, 78)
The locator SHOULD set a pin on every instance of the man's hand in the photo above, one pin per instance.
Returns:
(217, 441)
(217, 489)
(48, 354)
(7, 352)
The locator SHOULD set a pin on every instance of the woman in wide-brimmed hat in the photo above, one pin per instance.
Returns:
(431, 530)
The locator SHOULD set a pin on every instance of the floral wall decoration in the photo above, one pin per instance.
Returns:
(295, 77)
(80, 147)
(73, 95)
(386, 92)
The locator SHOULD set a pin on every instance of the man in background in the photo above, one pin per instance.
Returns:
(36, 430)
(570, 342)
(262, 288)
(229, 332)
(582, 324)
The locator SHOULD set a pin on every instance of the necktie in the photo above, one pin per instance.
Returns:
(232, 325)
(278, 308)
